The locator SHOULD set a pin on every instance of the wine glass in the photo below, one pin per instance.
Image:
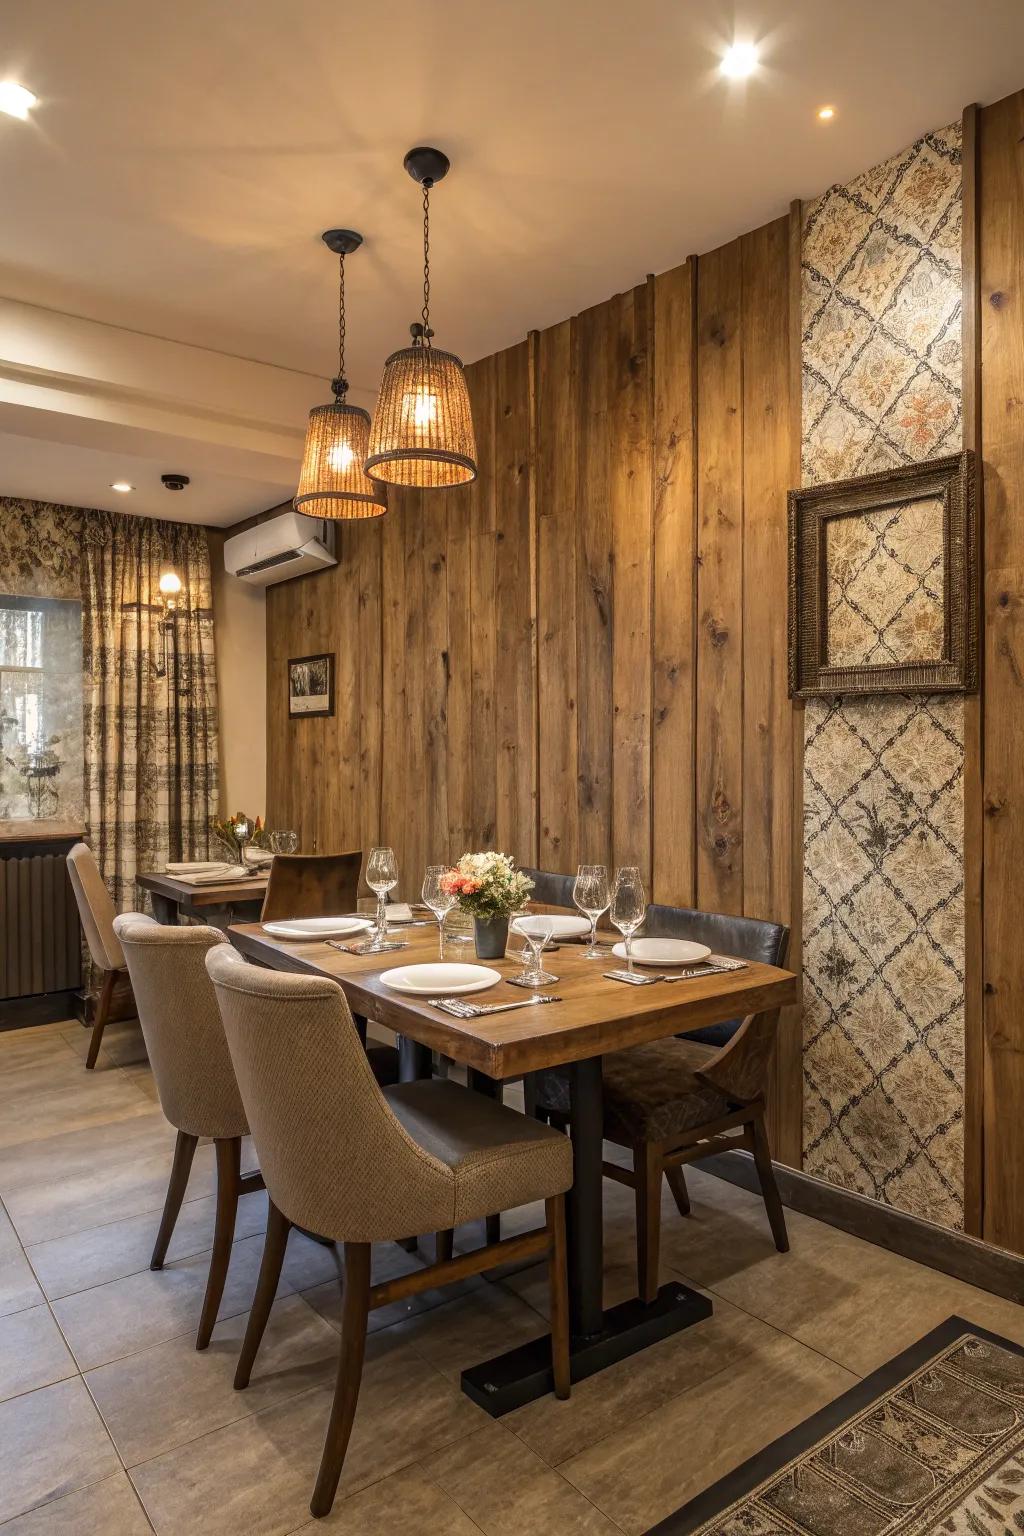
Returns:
(382, 877)
(284, 842)
(590, 893)
(536, 931)
(628, 906)
(438, 899)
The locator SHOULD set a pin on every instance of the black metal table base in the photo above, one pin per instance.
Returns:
(523, 1374)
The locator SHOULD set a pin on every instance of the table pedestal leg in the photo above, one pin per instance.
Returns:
(165, 908)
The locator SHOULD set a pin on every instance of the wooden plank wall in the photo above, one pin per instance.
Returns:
(580, 657)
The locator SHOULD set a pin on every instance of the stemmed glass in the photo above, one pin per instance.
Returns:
(438, 899)
(381, 876)
(590, 893)
(629, 906)
(284, 842)
(536, 931)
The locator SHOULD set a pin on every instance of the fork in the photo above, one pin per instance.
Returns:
(463, 1010)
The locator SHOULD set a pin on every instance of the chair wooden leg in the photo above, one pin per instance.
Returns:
(647, 1167)
(443, 1244)
(99, 1024)
(677, 1184)
(181, 1167)
(559, 1276)
(492, 1229)
(275, 1243)
(769, 1188)
(356, 1305)
(229, 1172)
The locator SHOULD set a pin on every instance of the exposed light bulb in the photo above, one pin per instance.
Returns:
(15, 100)
(170, 584)
(423, 408)
(122, 486)
(826, 114)
(739, 61)
(340, 456)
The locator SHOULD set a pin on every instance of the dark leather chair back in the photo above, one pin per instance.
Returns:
(311, 885)
(552, 890)
(748, 938)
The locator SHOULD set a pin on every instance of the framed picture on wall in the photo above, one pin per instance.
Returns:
(883, 582)
(311, 685)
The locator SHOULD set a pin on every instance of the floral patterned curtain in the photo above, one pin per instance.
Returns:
(150, 708)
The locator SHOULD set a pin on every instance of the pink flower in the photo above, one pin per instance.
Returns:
(469, 886)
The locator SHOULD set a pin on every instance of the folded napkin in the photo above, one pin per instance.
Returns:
(398, 912)
(199, 867)
(229, 875)
(258, 857)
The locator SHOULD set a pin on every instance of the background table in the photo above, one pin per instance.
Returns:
(594, 1017)
(230, 902)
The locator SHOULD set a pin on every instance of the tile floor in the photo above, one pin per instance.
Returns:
(112, 1425)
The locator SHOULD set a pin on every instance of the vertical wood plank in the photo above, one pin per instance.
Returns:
(395, 714)
(720, 581)
(557, 431)
(631, 514)
(483, 530)
(594, 595)
(461, 751)
(1001, 180)
(367, 546)
(674, 533)
(433, 721)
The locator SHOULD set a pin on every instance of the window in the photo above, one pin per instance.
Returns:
(40, 708)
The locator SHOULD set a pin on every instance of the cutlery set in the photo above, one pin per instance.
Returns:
(685, 973)
(461, 1009)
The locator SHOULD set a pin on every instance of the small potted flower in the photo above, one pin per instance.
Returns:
(490, 888)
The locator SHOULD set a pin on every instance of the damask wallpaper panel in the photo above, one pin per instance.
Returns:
(883, 776)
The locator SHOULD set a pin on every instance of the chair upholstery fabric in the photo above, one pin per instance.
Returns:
(95, 908)
(181, 1025)
(311, 885)
(336, 1157)
(650, 1091)
(552, 890)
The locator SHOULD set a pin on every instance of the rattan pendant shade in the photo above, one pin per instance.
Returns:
(423, 428)
(333, 482)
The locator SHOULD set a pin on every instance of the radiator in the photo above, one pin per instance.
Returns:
(40, 937)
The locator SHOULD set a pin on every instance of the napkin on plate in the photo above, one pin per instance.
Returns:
(229, 875)
(398, 912)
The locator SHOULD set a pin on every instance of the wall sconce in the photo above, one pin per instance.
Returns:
(170, 591)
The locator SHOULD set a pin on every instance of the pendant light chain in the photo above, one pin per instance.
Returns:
(341, 383)
(426, 263)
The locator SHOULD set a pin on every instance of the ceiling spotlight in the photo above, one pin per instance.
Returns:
(826, 114)
(739, 61)
(15, 100)
(122, 486)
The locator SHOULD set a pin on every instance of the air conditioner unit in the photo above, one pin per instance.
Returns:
(280, 548)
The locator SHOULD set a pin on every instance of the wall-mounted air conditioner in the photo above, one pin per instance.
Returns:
(280, 548)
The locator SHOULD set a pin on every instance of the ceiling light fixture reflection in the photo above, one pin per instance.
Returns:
(739, 61)
(15, 100)
(122, 486)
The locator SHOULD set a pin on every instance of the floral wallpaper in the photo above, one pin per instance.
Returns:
(883, 776)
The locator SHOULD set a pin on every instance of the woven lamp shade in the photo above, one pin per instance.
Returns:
(423, 428)
(333, 482)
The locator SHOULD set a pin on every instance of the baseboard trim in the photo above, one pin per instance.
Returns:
(42, 1008)
(953, 1253)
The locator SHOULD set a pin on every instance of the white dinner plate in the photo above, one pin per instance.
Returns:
(664, 952)
(561, 927)
(430, 979)
(318, 928)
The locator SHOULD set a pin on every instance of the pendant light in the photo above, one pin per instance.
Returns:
(332, 482)
(422, 432)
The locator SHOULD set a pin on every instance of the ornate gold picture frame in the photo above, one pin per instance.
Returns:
(883, 582)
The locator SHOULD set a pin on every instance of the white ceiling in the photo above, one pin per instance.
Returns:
(184, 158)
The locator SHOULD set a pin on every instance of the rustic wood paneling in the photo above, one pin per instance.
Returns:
(1001, 180)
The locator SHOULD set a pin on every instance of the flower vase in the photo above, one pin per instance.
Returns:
(491, 937)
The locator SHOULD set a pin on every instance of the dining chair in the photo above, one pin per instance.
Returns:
(552, 890)
(194, 1078)
(675, 1101)
(364, 1165)
(311, 885)
(96, 913)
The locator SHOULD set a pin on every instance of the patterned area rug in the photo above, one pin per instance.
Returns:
(931, 1442)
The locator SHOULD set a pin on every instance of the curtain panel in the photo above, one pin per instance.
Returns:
(150, 706)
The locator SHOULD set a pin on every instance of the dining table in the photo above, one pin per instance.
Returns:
(594, 1016)
(221, 903)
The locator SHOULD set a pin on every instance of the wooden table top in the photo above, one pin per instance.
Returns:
(224, 894)
(595, 1015)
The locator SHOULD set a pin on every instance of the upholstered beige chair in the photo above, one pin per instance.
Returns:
(364, 1165)
(96, 912)
(194, 1077)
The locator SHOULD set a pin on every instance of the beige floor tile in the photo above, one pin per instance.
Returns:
(508, 1491)
(122, 1045)
(255, 1477)
(141, 1310)
(65, 1265)
(91, 1150)
(163, 1397)
(388, 1261)
(652, 1465)
(18, 1288)
(109, 1508)
(405, 1501)
(51, 1442)
(32, 1352)
(471, 1328)
(642, 1384)
(75, 1202)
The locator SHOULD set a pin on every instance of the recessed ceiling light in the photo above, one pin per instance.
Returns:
(122, 486)
(15, 100)
(739, 61)
(826, 114)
